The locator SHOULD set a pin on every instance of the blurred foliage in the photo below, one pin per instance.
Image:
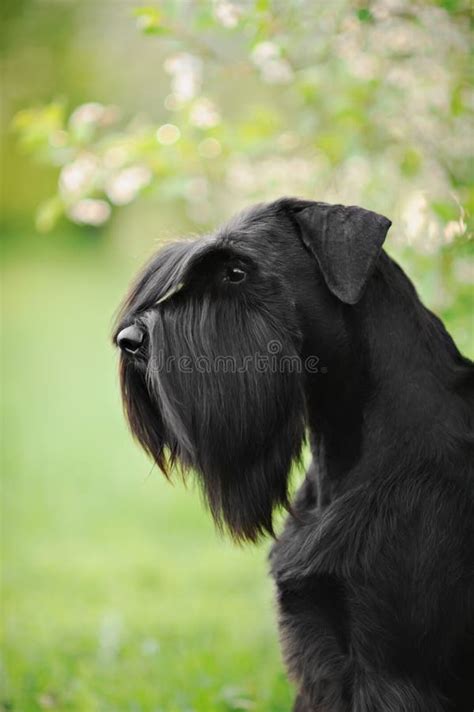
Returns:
(341, 101)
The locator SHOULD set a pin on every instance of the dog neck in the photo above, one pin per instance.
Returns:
(396, 392)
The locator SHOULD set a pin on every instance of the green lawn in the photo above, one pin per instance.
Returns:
(117, 593)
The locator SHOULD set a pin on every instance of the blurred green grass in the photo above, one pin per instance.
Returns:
(118, 595)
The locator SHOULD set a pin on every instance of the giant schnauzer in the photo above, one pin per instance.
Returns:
(292, 320)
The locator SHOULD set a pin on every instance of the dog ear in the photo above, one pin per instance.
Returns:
(345, 241)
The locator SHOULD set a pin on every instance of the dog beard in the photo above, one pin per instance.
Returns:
(221, 396)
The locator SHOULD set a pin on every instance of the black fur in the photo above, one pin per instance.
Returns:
(375, 566)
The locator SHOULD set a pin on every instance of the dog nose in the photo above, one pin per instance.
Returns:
(130, 339)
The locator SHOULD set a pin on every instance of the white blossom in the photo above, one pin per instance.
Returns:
(186, 73)
(454, 228)
(414, 216)
(89, 212)
(168, 134)
(209, 148)
(76, 177)
(277, 71)
(123, 187)
(93, 113)
(227, 13)
(264, 52)
(274, 69)
(204, 114)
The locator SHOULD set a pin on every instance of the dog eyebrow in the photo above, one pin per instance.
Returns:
(180, 274)
(177, 288)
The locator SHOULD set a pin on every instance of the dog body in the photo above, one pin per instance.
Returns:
(320, 331)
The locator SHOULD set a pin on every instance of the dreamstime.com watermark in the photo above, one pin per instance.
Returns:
(273, 361)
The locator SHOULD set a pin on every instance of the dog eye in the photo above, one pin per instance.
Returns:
(235, 275)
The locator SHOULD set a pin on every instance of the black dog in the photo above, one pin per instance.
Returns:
(293, 319)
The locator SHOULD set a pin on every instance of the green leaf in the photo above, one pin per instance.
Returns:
(411, 162)
(365, 15)
(150, 20)
(36, 125)
(457, 102)
(445, 210)
(454, 6)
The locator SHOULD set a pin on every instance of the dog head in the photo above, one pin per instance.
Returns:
(213, 336)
